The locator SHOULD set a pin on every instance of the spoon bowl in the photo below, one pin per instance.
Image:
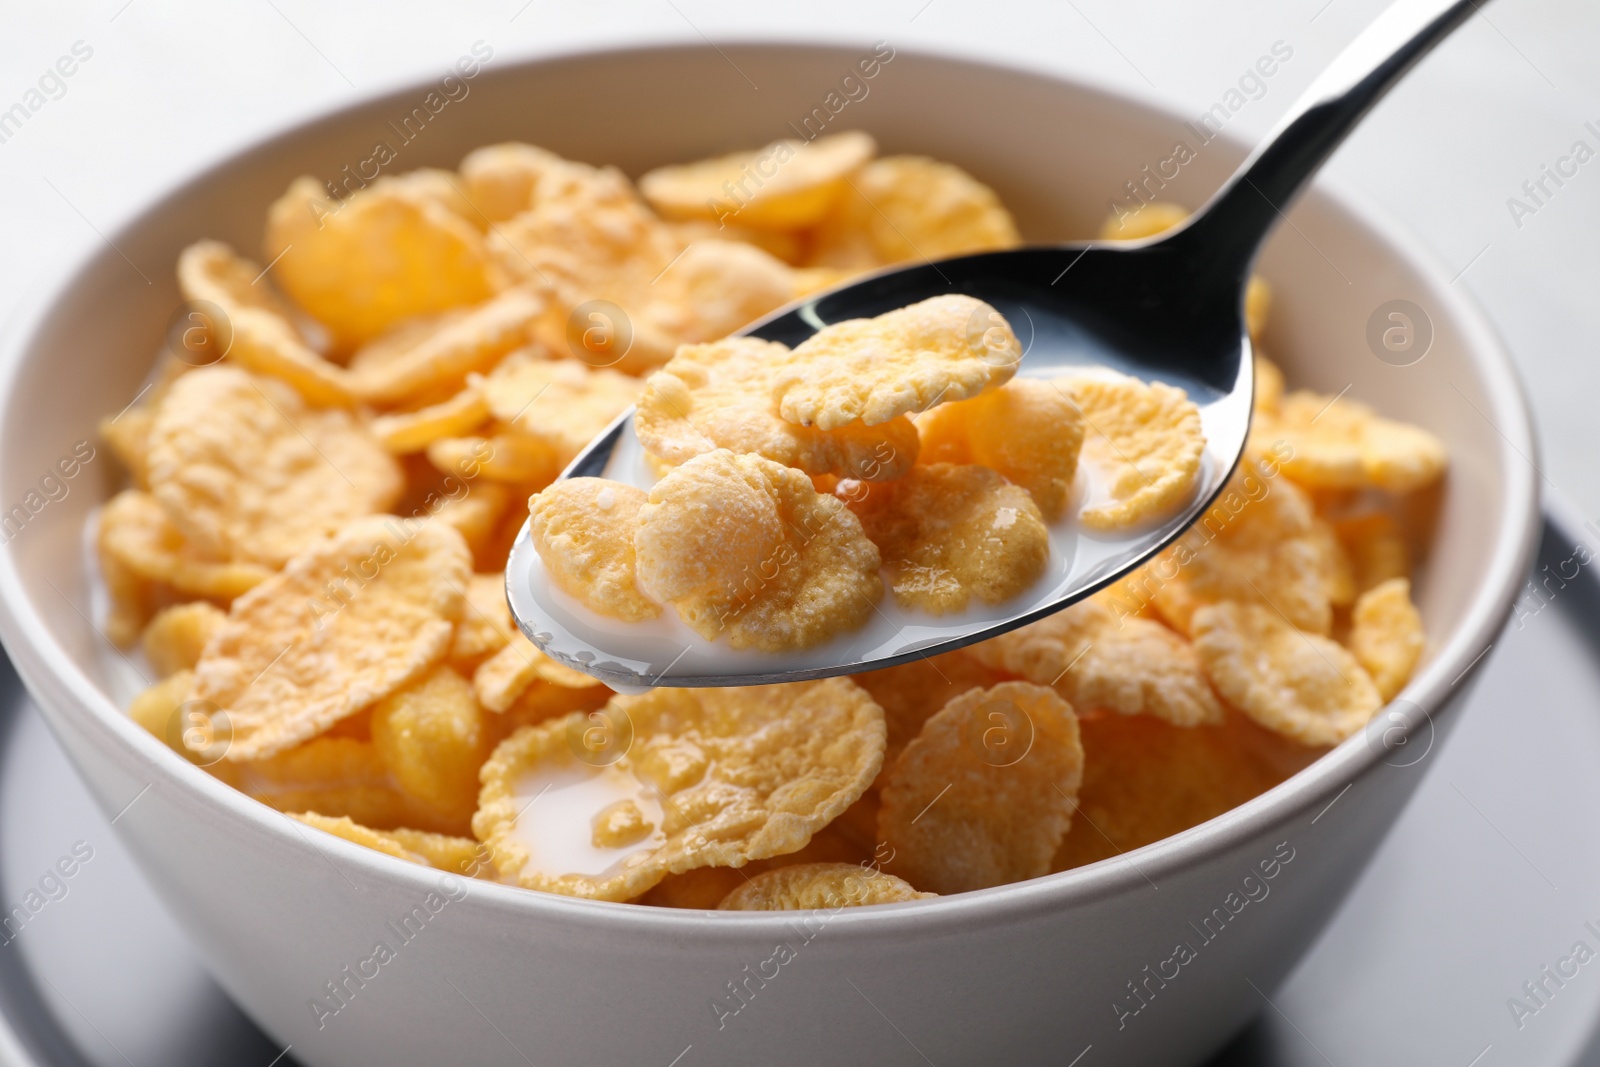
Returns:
(1168, 308)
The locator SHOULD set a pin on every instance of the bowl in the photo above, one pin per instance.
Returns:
(1154, 957)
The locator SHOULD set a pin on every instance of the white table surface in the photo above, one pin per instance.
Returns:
(174, 84)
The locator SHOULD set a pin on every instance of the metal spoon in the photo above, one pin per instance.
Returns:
(1169, 308)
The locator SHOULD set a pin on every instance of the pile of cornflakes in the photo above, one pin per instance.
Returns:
(335, 453)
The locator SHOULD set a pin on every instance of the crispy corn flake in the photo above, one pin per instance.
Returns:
(913, 692)
(1339, 443)
(559, 403)
(716, 287)
(257, 333)
(155, 707)
(1376, 549)
(788, 185)
(1145, 779)
(745, 546)
(1132, 666)
(347, 622)
(441, 352)
(705, 887)
(506, 457)
(943, 349)
(1386, 635)
(1338, 568)
(250, 474)
(504, 676)
(137, 539)
(355, 833)
(813, 886)
(477, 514)
(383, 254)
(1027, 430)
(583, 529)
(786, 245)
(432, 737)
(1259, 543)
(985, 793)
(501, 179)
(332, 776)
(723, 777)
(542, 701)
(412, 431)
(173, 640)
(948, 534)
(1301, 685)
(486, 625)
(720, 395)
(1143, 442)
(132, 598)
(1257, 306)
(903, 208)
(128, 434)
(446, 852)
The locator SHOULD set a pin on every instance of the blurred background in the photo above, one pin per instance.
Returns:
(1456, 155)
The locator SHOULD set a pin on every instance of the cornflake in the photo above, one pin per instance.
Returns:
(812, 886)
(1131, 667)
(788, 185)
(1339, 443)
(910, 207)
(432, 737)
(714, 777)
(913, 692)
(1298, 684)
(504, 676)
(1027, 430)
(943, 349)
(340, 777)
(720, 395)
(742, 545)
(583, 530)
(986, 792)
(1386, 635)
(560, 404)
(948, 534)
(248, 473)
(173, 640)
(256, 332)
(136, 537)
(412, 431)
(347, 622)
(437, 353)
(1144, 441)
(385, 253)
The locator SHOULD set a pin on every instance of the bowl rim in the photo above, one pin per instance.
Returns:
(72, 694)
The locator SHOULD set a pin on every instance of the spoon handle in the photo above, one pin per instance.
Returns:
(1229, 229)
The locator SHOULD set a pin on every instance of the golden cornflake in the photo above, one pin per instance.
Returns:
(257, 333)
(431, 736)
(1027, 430)
(173, 640)
(439, 353)
(500, 180)
(720, 395)
(504, 676)
(1376, 549)
(742, 545)
(385, 253)
(911, 693)
(250, 474)
(812, 886)
(505, 457)
(910, 207)
(1301, 685)
(136, 536)
(948, 534)
(788, 185)
(1339, 443)
(485, 624)
(943, 349)
(985, 793)
(412, 431)
(561, 404)
(1096, 662)
(583, 530)
(722, 776)
(347, 622)
(1144, 444)
(1386, 635)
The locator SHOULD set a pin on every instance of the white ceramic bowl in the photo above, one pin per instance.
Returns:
(1030, 973)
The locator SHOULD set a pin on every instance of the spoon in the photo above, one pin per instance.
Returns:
(1168, 308)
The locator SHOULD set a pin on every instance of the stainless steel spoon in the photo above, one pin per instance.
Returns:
(1170, 308)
